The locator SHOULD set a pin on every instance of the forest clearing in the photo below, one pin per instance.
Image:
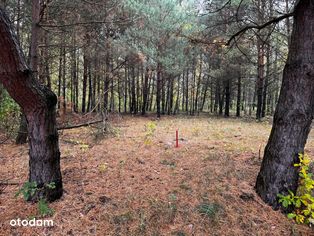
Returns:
(135, 182)
(156, 117)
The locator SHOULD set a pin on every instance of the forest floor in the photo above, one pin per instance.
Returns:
(135, 182)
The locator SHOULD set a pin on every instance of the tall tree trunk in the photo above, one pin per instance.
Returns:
(177, 106)
(187, 92)
(125, 86)
(64, 82)
(227, 97)
(158, 90)
(85, 75)
(133, 91)
(90, 87)
(239, 97)
(265, 89)
(294, 112)
(60, 75)
(198, 85)
(163, 93)
(204, 95)
(170, 95)
(38, 104)
(260, 63)
(22, 133)
(145, 91)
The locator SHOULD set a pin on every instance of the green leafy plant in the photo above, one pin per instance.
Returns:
(44, 209)
(302, 201)
(29, 189)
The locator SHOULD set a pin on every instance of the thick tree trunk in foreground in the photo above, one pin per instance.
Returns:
(294, 112)
(38, 104)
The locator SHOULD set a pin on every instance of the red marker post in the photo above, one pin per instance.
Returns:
(177, 138)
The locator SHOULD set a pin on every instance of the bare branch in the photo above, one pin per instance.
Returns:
(79, 125)
(259, 27)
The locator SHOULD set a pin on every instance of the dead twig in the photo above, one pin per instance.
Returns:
(79, 125)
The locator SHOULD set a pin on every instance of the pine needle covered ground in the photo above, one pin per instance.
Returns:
(135, 182)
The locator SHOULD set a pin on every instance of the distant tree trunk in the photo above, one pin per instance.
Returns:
(220, 98)
(192, 108)
(265, 89)
(90, 87)
(60, 75)
(133, 91)
(187, 92)
(294, 112)
(46, 58)
(183, 91)
(145, 91)
(38, 104)
(217, 88)
(211, 96)
(125, 86)
(158, 97)
(204, 95)
(170, 95)
(176, 108)
(227, 97)
(22, 133)
(198, 85)
(138, 90)
(152, 92)
(119, 94)
(64, 82)
(149, 93)
(85, 76)
(112, 102)
(163, 93)
(260, 64)
(74, 75)
(239, 96)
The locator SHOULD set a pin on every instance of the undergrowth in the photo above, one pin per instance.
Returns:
(150, 129)
(29, 189)
(303, 200)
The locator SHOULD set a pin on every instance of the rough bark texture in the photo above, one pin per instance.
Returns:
(38, 104)
(294, 112)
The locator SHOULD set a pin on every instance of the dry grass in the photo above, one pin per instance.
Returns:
(124, 185)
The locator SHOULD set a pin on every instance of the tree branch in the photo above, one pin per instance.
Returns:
(79, 125)
(259, 27)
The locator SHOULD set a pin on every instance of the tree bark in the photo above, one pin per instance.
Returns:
(294, 112)
(38, 104)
